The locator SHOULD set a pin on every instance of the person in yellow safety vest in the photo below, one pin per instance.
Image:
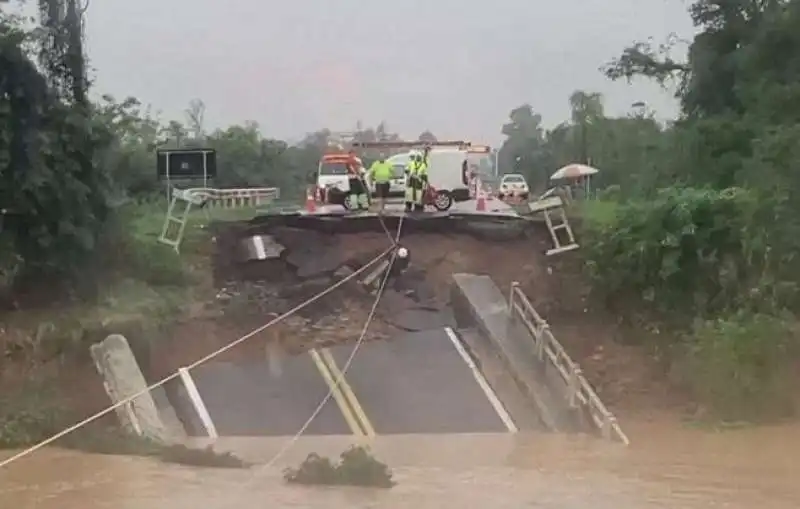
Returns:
(381, 174)
(416, 181)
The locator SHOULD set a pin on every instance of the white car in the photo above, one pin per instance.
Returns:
(513, 184)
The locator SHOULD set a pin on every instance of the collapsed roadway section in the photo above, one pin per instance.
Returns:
(440, 365)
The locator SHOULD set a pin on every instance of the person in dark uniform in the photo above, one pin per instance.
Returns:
(402, 260)
(358, 191)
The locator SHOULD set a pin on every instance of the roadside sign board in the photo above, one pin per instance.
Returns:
(179, 164)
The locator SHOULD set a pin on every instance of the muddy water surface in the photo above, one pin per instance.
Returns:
(666, 466)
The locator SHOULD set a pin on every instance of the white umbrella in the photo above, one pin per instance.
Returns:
(572, 171)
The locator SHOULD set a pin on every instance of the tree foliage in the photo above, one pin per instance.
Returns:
(622, 147)
(65, 160)
(427, 136)
(704, 236)
(54, 196)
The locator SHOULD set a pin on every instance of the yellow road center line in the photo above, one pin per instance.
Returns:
(341, 401)
(348, 393)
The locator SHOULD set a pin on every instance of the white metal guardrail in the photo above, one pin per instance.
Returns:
(183, 200)
(228, 198)
(548, 349)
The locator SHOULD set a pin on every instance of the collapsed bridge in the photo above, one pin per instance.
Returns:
(454, 355)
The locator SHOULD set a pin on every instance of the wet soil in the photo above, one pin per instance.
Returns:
(629, 379)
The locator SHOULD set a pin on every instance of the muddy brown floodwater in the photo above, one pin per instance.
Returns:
(666, 467)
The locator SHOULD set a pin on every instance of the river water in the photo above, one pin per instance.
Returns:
(665, 467)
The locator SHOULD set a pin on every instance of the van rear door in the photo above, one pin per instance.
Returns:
(445, 169)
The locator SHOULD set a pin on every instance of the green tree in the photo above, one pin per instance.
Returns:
(55, 195)
(522, 151)
(131, 137)
(730, 211)
(586, 111)
(427, 137)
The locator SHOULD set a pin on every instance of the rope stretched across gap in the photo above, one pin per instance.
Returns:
(340, 376)
(125, 401)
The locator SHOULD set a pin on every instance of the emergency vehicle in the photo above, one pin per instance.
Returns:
(332, 175)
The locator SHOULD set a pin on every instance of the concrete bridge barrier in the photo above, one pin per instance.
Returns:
(541, 366)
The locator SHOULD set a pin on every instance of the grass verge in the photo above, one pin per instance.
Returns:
(137, 287)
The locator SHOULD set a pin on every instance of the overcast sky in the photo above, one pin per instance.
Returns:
(418, 64)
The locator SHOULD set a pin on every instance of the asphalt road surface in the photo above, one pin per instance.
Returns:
(250, 399)
(419, 383)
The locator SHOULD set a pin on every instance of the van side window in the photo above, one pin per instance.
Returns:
(464, 173)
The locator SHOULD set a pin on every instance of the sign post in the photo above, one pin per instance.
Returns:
(186, 164)
(182, 164)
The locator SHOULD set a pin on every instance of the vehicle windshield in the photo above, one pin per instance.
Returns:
(329, 168)
(513, 179)
(398, 171)
(485, 162)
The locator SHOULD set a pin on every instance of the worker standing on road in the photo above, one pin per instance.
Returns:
(381, 174)
(416, 181)
(358, 191)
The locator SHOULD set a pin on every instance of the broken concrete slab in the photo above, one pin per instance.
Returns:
(260, 247)
(414, 285)
(420, 319)
(393, 301)
(343, 272)
(301, 239)
(315, 263)
(123, 379)
(307, 288)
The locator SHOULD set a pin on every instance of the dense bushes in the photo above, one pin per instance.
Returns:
(698, 251)
(696, 264)
(704, 247)
(356, 467)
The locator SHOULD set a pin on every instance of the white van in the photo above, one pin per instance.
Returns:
(447, 173)
(449, 176)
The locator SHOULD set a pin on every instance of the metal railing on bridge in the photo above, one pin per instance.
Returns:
(579, 392)
(182, 201)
